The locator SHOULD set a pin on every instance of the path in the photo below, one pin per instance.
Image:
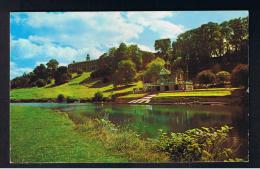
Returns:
(145, 99)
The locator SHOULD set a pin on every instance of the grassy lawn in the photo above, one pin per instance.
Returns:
(43, 135)
(133, 96)
(75, 89)
(198, 93)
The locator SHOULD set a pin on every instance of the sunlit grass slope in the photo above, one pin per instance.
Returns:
(81, 87)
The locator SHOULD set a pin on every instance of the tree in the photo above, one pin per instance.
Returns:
(206, 77)
(136, 55)
(147, 57)
(121, 54)
(62, 75)
(223, 76)
(126, 72)
(40, 82)
(163, 46)
(153, 69)
(41, 72)
(239, 76)
(88, 57)
(52, 66)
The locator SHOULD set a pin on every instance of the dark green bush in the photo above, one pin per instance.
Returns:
(98, 97)
(60, 98)
(205, 144)
(206, 77)
(40, 83)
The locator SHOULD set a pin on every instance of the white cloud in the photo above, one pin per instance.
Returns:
(81, 29)
(156, 21)
(18, 71)
(141, 46)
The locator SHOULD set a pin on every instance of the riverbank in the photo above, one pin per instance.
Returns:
(46, 135)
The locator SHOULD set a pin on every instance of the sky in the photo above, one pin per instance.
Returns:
(37, 37)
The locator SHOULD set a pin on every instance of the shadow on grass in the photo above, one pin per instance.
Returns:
(119, 88)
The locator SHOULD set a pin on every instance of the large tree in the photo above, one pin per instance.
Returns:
(52, 66)
(41, 72)
(126, 73)
(153, 69)
(62, 75)
(163, 46)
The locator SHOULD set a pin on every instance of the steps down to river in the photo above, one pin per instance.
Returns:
(145, 99)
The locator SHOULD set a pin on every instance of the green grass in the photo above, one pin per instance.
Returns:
(198, 93)
(43, 135)
(75, 89)
(46, 135)
(133, 96)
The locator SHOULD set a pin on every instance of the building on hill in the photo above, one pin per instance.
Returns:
(85, 66)
(169, 81)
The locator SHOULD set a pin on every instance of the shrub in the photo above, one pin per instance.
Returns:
(60, 98)
(205, 144)
(206, 77)
(223, 76)
(239, 76)
(40, 83)
(98, 97)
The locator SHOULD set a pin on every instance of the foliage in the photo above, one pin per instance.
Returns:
(62, 75)
(147, 57)
(223, 76)
(41, 72)
(225, 44)
(123, 142)
(204, 144)
(239, 76)
(60, 98)
(206, 77)
(98, 97)
(40, 83)
(164, 48)
(126, 72)
(52, 66)
(153, 69)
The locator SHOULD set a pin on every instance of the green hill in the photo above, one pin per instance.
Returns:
(80, 87)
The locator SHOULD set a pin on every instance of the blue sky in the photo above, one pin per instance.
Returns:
(37, 37)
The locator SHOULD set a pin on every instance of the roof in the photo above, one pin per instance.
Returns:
(164, 71)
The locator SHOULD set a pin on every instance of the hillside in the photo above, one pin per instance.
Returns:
(80, 87)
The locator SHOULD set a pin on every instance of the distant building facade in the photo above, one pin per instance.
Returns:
(169, 82)
(85, 66)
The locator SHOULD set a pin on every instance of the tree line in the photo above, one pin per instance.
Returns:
(43, 75)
